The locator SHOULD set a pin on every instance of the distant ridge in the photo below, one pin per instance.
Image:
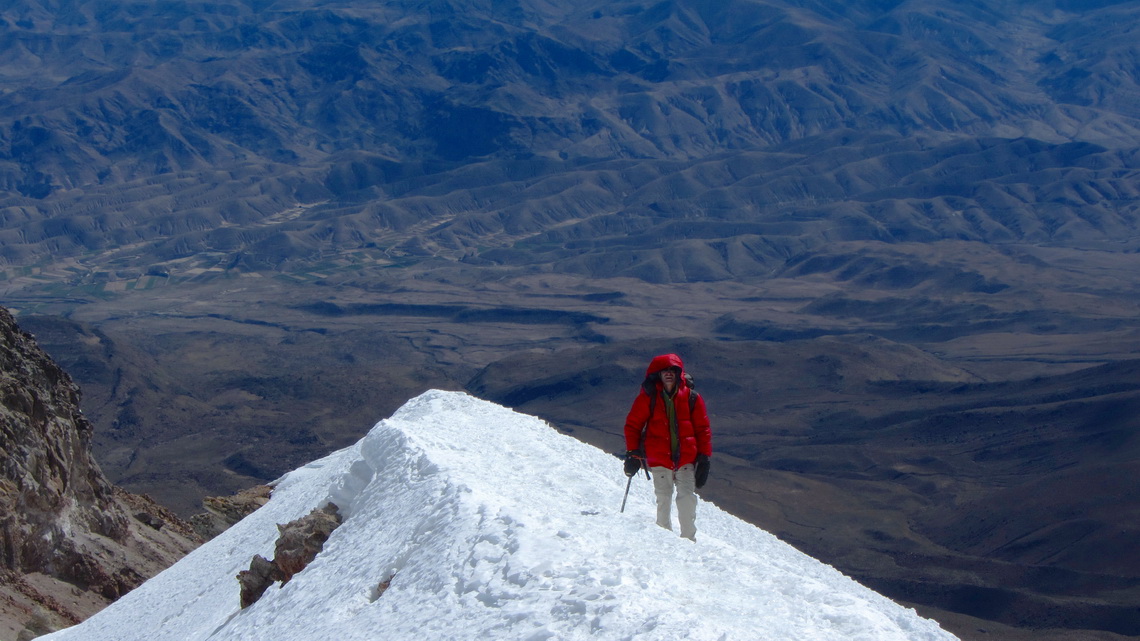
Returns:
(264, 138)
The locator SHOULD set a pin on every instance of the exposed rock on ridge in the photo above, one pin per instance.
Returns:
(223, 511)
(70, 541)
(300, 542)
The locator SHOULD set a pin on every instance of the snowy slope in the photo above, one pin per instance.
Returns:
(491, 525)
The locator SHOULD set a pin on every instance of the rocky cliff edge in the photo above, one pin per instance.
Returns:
(70, 541)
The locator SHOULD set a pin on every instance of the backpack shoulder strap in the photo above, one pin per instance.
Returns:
(651, 391)
(693, 393)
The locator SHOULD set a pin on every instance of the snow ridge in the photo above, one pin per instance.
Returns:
(466, 520)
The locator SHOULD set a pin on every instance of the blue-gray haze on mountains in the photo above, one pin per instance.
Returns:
(924, 215)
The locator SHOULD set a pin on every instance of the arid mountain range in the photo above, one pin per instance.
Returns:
(897, 243)
(601, 140)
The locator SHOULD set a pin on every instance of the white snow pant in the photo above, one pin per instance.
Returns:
(664, 480)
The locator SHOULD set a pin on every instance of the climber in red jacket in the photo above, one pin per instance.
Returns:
(667, 431)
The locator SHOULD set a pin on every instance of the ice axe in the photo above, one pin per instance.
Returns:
(627, 484)
(623, 499)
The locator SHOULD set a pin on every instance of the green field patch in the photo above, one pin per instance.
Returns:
(292, 278)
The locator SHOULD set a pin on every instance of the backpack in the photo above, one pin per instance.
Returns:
(650, 387)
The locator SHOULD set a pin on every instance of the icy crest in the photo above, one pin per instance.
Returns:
(466, 520)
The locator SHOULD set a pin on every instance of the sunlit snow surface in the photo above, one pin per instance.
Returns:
(489, 524)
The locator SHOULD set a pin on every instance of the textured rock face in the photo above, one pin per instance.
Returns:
(50, 483)
(70, 541)
(223, 511)
(303, 539)
(298, 544)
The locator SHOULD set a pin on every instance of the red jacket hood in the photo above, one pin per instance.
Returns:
(665, 361)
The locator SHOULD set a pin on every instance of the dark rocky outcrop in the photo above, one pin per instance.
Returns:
(261, 574)
(70, 541)
(298, 544)
(223, 511)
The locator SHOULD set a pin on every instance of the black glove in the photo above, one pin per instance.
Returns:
(702, 473)
(632, 462)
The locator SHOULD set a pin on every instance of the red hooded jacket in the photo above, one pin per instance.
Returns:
(693, 433)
